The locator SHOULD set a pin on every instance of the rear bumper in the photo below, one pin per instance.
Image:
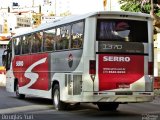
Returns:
(111, 97)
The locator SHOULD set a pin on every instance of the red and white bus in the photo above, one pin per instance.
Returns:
(105, 58)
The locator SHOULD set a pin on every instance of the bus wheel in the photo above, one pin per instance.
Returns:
(59, 105)
(108, 106)
(18, 95)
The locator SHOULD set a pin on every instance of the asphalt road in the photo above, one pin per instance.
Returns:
(34, 108)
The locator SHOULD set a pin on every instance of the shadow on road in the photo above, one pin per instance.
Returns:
(84, 110)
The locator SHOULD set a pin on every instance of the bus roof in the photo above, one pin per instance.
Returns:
(73, 18)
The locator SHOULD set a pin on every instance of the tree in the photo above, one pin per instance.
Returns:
(145, 6)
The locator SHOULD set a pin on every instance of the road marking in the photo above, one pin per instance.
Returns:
(25, 108)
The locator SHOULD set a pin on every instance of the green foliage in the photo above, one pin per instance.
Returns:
(158, 13)
(132, 7)
(137, 6)
(146, 8)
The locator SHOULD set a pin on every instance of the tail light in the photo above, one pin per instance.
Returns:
(92, 67)
(150, 68)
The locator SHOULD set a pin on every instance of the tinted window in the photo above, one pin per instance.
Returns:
(49, 40)
(65, 37)
(122, 30)
(58, 39)
(17, 46)
(26, 44)
(37, 42)
(77, 35)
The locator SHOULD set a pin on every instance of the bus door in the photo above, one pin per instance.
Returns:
(122, 55)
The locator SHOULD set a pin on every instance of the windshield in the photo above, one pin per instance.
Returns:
(122, 30)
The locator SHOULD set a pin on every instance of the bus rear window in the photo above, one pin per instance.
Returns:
(122, 30)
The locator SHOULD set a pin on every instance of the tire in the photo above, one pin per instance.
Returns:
(108, 106)
(18, 95)
(59, 105)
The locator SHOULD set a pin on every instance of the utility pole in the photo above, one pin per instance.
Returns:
(55, 8)
(104, 4)
(32, 3)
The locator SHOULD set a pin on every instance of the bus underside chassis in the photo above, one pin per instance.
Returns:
(107, 106)
(18, 95)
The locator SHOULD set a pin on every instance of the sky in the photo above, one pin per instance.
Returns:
(75, 6)
(82, 6)
(78, 5)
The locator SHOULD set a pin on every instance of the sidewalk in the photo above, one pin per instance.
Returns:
(2, 80)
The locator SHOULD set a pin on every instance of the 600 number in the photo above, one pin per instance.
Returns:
(19, 63)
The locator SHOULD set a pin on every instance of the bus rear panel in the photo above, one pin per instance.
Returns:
(124, 60)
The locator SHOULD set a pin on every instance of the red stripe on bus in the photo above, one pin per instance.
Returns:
(27, 69)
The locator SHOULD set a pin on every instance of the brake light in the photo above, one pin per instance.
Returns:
(150, 68)
(92, 67)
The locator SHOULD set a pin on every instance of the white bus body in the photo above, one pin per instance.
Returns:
(103, 57)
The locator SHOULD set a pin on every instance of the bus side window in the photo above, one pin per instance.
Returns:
(49, 40)
(65, 37)
(37, 42)
(25, 45)
(29, 38)
(58, 39)
(77, 35)
(17, 46)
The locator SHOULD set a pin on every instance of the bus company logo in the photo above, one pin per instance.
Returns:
(116, 59)
(112, 47)
(70, 60)
(33, 76)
